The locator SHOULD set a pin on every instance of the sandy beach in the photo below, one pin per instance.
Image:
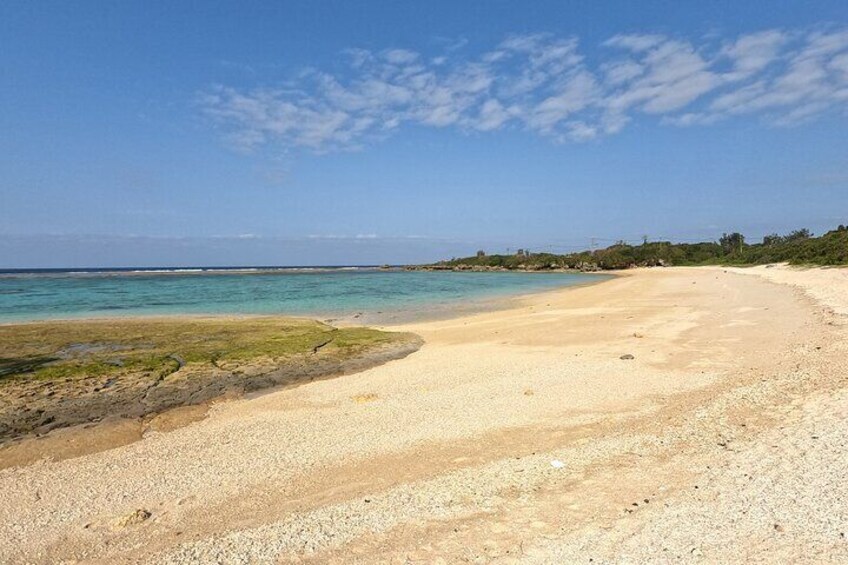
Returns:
(693, 414)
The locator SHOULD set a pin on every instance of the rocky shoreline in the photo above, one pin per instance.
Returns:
(32, 406)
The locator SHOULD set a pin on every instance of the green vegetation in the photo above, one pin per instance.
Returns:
(798, 248)
(157, 347)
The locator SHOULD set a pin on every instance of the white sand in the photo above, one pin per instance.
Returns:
(738, 386)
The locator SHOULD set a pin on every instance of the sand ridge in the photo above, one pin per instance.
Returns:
(447, 454)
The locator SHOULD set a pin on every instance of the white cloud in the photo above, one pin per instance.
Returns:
(839, 64)
(400, 56)
(576, 94)
(620, 72)
(810, 81)
(359, 236)
(691, 119)
(492, 116)
(543, 83)
(672, 75)
(753, 52)
(579, 131)
(634, 42)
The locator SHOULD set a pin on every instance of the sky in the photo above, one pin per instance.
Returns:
(327, 132)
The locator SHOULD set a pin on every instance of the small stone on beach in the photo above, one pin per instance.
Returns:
(134, 518)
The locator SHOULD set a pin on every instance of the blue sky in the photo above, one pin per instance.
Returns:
(182, 133)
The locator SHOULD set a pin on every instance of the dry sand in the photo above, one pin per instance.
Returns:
(516, 435)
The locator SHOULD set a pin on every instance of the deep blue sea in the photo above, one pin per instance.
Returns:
(336, 292)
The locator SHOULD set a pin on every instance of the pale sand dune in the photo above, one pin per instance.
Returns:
(738, 388)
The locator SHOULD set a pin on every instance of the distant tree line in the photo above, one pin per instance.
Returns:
(798, 247)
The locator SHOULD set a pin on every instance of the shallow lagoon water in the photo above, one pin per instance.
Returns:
(334, 292)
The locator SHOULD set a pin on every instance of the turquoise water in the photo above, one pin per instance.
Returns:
(332, 292)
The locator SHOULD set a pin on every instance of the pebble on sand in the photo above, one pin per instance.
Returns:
(133, 518)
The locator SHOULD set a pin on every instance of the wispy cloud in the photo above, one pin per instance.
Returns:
(543, 84)
(343, 236)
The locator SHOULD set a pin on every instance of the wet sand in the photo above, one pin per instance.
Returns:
(526, 434)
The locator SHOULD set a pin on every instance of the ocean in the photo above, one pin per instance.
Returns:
(327, 292)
